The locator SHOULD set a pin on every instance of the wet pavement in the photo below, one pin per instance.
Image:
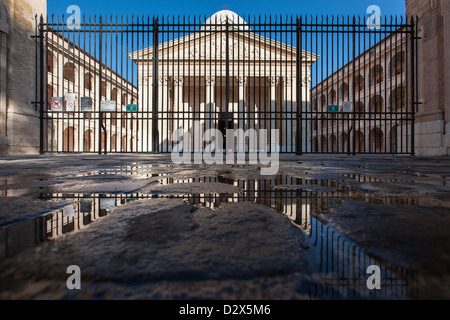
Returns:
(140, 227)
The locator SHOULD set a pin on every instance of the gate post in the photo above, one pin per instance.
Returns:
(155, 132)
(414, 99)
(41, 87)
(298, 58)
(100, 114)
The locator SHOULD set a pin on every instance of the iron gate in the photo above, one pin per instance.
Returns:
(136, 84)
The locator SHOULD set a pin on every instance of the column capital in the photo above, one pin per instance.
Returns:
(163, 80)
(272, 81)
(287, 81)
(178, 80)
(241, 81)
(210, 81)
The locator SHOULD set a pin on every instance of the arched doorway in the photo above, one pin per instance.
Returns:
(87, 141)
(68, 139)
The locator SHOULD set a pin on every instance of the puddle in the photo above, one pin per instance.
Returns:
(340, 262)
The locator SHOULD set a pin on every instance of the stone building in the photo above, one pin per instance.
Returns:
(432, 129)
(375, 85)
(70, 69)
(19, 120)
(192, 82)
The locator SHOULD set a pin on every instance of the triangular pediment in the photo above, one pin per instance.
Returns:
(204, 45)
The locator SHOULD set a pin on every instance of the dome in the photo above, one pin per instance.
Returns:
(221, 17)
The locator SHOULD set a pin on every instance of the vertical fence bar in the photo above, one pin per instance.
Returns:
(413, 80)
(155, 131)
(299, 142)
(41, 85)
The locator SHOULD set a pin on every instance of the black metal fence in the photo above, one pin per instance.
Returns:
(142, 84)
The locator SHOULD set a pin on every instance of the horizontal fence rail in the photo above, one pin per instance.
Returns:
(150, 85)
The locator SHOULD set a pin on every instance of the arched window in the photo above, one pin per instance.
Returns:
(103, 90)
(69, 71)
(114, 94)
(397, 64)
(359, 83)
(376, 104)
(50, 59)
(398, 98)
(359, 141)
(49, 96)
(323, 100)
(376, 75)
(344, 90)
(359, 110)
(377, 140)
(88, 81)
(332, 96)
(124, 99)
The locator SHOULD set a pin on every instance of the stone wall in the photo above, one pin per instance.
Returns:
(433, 117)
(19, 124)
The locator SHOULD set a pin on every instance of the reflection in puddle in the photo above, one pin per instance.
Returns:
(340, 262)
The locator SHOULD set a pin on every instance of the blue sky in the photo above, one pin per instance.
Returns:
(242, 7)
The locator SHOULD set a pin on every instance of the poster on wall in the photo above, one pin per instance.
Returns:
(57, 103)
(347, 106)
(69, 99)
(131, 107)
(86, 104)
(108, 106)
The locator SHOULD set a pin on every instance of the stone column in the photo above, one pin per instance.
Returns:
(163, 106)
(242, 123)
(144, 141)
(287, 141)
(210, 83)
(273, 82)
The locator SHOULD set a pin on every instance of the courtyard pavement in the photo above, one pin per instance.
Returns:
(142, 227)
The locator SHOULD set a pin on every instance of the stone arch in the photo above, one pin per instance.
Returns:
(315, 145)
(376, 75)
(113, 142)
(103, 90)
(124, 99)
(393, 136)
(332, 96)
(397, 64)
(398, 98)
(50, 92)
(360, 141)
(124, 143)
(103, 141)
(359, 83)
(333, 145)
(344, 142)
(376, 104)
(359, 110)
(324, 144)
(376, 140)
(50, 61)
(87, 141)
(68, 139)
(70, 71)
(344, 90)
(88, 81)
(114, 94)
